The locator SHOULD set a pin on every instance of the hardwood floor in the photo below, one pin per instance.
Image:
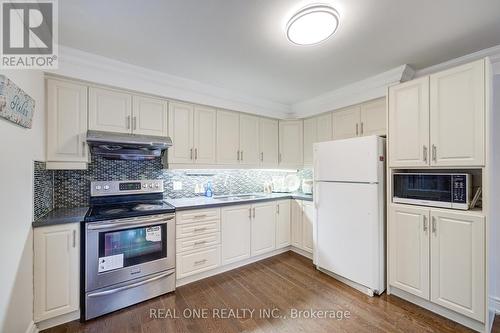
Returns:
(284, 282)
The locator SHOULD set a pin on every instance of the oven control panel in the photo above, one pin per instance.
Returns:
(127, 187)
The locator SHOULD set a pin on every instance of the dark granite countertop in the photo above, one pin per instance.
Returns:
(203, 202)
(61, 216)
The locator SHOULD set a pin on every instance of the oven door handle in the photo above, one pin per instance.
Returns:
(127, 223)
(133, 285)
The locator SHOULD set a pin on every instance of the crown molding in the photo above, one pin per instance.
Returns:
(493, 53)
(86, 66)
(357, 92)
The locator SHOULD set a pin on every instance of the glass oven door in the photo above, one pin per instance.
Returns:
(117, 251)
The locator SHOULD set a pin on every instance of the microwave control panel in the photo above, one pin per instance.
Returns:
(459, 188)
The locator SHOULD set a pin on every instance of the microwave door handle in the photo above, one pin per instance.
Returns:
(133, 285)
(120, 224)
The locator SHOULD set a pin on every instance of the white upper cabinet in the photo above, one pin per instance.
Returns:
(228, 137)
(373, 117)
(181, 129)
(457, 115)
(249, 140)
(458, 262)
(269, 144)
(310, 137)
(408, 230)
(323, 127)
(263, 228)
(150, 116)
(283, 223)
(409, 123)
(56, 270)
(110, 110)
(205, 124)
(66, 124)
(346, 122)
(291, 143)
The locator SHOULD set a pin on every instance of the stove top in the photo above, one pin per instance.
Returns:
(128, 209)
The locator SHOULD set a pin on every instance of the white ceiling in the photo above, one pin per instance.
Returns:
(240, 45)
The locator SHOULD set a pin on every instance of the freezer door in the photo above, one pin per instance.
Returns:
(350, 232)
(350, 160)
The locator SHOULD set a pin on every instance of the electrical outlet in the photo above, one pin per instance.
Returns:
(177, 186)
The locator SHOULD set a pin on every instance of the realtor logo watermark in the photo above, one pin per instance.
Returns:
(29, 34)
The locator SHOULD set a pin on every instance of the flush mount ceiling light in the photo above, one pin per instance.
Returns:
(312, 25)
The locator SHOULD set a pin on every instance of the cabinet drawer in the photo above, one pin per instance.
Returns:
(198, 215)
(198, 228)
(197, 261)
(197, 242)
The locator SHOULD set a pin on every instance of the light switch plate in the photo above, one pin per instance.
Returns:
(177, 186)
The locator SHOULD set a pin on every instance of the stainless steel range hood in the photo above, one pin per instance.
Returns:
(119, 146)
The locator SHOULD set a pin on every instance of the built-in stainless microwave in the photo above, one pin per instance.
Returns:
(447, 190)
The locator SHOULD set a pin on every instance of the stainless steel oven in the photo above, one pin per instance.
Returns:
(130, 258)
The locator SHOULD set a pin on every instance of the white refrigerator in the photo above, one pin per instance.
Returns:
(349, 211)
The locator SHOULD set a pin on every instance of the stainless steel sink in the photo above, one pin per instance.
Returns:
(237, 197)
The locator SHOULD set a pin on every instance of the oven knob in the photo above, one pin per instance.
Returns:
(151, 185)
(106, 187)
(98, 187)
(144, 185)
(157, 185)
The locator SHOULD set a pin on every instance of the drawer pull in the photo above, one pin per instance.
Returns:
(199, 262)
(200, 216)
(200, 229)
(200, 242)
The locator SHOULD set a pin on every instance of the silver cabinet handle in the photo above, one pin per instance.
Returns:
(424, 153)
(200, 242)
(191, 153)
(74, 238)
(199, 262)
(434, 153)
(200, 229)
(238, 155)
(425, 223)
(362, 128)
(250, 212)
(357, 125)
(131, 222)
(279, 158)
(241, 155)
(262, 156)
(278, 208)
(196, 153)
(200, 216)
(133, 285)
(135, 123)
(254, 212)
(434, 226)
(128, 122)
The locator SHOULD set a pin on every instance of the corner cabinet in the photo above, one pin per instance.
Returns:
(291, 144)
(302, 225)
(283, 225)
(66, 125)
(316, 129)
(439, 120)
(56, 270)
(269, 142)
(439, 255)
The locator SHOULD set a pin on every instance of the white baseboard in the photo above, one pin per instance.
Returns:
(495, 304)
(32, 328)
(301, 252)
(48, 323)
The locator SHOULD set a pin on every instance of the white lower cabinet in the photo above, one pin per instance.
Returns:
(263, 228)
(236, 229)
(457, 263)
(283, 224)
(194, 262)
(439, 255)
(307, 226)
(56, 270)
(296, 223)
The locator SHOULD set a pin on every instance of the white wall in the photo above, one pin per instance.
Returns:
(495, 199)
(19, 147)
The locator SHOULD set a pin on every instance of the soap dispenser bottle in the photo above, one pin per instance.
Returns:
(208, 190)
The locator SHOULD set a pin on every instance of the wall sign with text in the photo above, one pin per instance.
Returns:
(15, 105)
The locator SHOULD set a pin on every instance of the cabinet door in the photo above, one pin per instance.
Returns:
(249, 140)
(457, 116)
(296, 223)
(291, 143)
(205, 125)
(269, 142)
(346, 122)
(457, 263)
(283, 223)
(56, 270)
(66, 121)
(228, 137)
(180, 123)
(110, 110)
(307, 226)
(373, 119)
(324, 127)
(409, 123)
(150, 116)
(235, 233)
(310, 137)
(409, 249)
(263, 228)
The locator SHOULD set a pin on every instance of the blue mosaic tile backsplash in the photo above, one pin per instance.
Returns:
(72, 187)
(43, 190)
